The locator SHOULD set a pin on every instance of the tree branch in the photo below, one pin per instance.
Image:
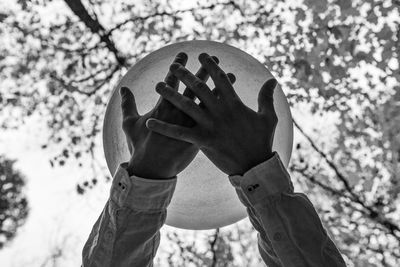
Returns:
(333, 191)
(94, 25)
(164, 13)
(213, 248)
(325, 157)
(371, 212)
(72, 88)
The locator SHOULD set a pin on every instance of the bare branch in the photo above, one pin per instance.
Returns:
(325, 157)
(94, 25)
(213, 248)
(333, 191)
(371, 211)
(72, 88)
(164, 13)
(90, 76)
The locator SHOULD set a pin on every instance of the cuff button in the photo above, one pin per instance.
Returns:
(253, 187)
(122, 185)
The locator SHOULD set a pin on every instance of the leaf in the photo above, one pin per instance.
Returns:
(337, 33)
(344, 4)
(361, 56)
(302, 69)
(80, 190)
(300, 15)
(3, 16)
(385, 33)
(319, 6)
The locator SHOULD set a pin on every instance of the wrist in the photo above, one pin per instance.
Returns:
(249, 163)
(148, 169)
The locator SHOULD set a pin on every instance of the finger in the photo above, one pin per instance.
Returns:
(128, 106)
(219, 77)
(181, 102)
(128, 141)
(198, 87)
(265, 96)
(171, 130)
(232, 79)
(203, 75)
(171, 79)
(128, 103)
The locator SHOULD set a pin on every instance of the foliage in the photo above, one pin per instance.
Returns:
(334, 58)
(13, 203)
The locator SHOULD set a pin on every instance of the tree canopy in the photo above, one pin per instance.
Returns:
(333, 58)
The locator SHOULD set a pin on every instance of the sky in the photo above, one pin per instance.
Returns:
(59, 217)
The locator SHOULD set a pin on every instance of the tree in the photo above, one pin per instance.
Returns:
(13, 203)
(335, 58)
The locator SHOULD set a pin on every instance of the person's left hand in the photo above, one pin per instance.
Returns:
(156, 156)
(234, 137)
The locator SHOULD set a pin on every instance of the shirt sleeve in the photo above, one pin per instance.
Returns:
(290, 233)
(127, 231)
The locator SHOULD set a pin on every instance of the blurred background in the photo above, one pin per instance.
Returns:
(336, 60)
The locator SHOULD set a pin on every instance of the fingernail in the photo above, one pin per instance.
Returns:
(149, 123)
(123, 90)
(274, 83)
(215, 59)
(160, 86)
(203, 56)
(182, 55)
(232, 77)
(174, 66)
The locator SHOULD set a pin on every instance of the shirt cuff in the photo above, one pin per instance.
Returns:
(139, 193)
(267, 179)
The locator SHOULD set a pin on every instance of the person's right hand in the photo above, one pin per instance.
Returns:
(156, 156)
(233, 136)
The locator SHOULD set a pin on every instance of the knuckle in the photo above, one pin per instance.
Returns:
(186, 104)
(167, 92)
(206, 139)
(179, 133)
(199, 84)
(170, 79)
(183, 71)
(209, 60)
(221, 74)
(163, 109)
(236, 102)
(202, 73)
(126, 123)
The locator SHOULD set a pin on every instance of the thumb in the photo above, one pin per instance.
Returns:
(266, 96)
(128, 105)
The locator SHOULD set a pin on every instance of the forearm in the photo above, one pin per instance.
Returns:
(291, 232)
(264, 244)
(127, 231)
